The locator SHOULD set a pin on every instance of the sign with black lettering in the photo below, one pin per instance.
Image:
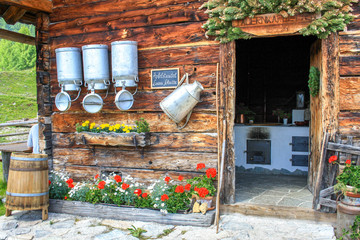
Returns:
(164, 78)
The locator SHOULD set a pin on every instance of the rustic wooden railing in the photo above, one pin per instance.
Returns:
(15, 124)
(343, 149)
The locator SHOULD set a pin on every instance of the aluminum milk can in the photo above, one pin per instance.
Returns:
(181, 101)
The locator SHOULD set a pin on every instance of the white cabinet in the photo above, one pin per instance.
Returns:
(287, 146)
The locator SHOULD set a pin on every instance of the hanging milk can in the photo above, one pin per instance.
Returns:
(182, 100)
(96, 66)
(69, 69)
(124, 62)
(69, 73)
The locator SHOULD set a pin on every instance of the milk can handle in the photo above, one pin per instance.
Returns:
(187, 120)
(186, 76)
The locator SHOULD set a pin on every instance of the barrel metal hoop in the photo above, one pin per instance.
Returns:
(29, 159)
(29, 169)
(27, 194)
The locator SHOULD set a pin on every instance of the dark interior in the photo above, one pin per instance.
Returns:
(269, 73)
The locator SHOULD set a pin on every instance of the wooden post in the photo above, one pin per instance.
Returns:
(320, 171)
(221, 173)
(227, 101)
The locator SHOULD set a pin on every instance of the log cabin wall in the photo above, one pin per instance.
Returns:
(169, 35)
(349, 117)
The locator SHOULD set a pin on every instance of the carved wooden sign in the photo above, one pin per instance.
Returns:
(164, 78)
(274, 24)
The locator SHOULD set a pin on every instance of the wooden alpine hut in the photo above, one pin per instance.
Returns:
(252, 59)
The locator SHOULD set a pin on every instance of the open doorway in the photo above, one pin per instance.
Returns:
(272, 158)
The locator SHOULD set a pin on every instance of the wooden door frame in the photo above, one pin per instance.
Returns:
(328, 94)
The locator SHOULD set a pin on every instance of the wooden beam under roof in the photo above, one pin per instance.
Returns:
(17, 37)
(32, 5)
(13, 14)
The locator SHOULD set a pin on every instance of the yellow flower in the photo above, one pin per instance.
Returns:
(102, 126)
(127, 131)
(123, 125)
(91, 126)
(107, 125)
(117, 126)
(130, 128)
(84, 124)
(97, 128)
(87, 122)
(111, 128)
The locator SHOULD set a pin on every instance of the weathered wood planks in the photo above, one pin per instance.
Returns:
(129, 213)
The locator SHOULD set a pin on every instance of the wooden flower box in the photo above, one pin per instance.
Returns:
(126, 213)
(131, 139)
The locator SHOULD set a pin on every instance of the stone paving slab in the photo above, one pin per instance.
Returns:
(26, 225)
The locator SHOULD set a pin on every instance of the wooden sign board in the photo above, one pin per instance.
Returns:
(274, 24)
(164, 78)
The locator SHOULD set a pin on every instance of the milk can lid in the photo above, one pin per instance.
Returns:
(92, 103)
(124, 100)
(94, 46)
(67, 49)
(63, 101)
(124, 42)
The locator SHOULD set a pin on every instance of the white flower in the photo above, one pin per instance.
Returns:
(137, 184)
(163, 204)
(157, 199)
(115, 193)
(126, 193)
(60, 184)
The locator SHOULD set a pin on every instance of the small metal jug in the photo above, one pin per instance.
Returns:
(180, 103)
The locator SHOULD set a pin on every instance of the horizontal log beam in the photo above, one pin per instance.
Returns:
(343, 148)
(13, 14)
(38, 5)
(18, 123)
(17, 37)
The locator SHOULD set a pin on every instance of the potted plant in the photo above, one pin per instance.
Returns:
(241, 109)
(281, 114)
(348, 182)
(202, 187)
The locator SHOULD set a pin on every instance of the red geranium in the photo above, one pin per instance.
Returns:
(65, 197)
(164, 197)
(179, 189)
(202, 192)
(348, 162)
(167, 179)
(117, 178)
(187, 187)
(181, 178)
(144, 195)
(125, 186)
(332, 159)
(69, 181)
(96, 176)
(70, 185)
(101, 184)
(138, 192)
(49, 182)
(211, 173)
(200, 166)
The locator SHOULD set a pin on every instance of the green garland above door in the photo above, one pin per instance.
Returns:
(334, 15)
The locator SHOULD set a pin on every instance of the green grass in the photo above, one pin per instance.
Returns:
(2, 191)
(17, 95)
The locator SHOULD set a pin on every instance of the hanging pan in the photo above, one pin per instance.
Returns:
(124, 100)
(63, 101)
(92, 103)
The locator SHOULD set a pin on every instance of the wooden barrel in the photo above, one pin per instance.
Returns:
(28, 182)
